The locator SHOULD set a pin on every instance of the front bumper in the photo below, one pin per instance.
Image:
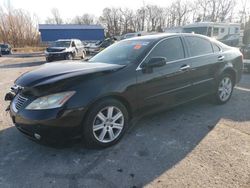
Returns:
(50, 125)
(56, 56)
(5, 52)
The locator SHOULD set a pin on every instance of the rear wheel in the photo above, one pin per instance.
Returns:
(105, 124)
(224, 89)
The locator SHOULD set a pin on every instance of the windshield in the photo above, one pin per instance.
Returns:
(61, 44)
(4, 46)
(122, 53)
(196, 30)
(98, 42)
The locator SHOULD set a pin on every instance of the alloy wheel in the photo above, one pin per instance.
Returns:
(108, 124)
(225, 89)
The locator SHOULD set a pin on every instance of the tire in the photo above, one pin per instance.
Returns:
(224, 89)
(48, 59)
(105, 124)
(69, 56)
(83, 55)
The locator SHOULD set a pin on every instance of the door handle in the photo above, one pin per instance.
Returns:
(185, 67)
(221, 58)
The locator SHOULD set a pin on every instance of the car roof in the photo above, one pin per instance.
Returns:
(160, 36)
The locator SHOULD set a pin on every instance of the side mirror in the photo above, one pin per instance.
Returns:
(156, 62)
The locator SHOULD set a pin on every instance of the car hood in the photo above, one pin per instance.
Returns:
(53, 72)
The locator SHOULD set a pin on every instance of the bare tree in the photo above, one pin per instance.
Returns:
(18, 28)
(56, 17)
(86, 19)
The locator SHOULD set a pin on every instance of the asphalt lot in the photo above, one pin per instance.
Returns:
(194, 145)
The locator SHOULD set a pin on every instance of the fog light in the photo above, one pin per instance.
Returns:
(37, 136)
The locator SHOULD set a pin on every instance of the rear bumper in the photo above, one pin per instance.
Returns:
(247, 64)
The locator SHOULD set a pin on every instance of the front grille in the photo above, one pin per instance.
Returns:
(54, 50)
(18, 102)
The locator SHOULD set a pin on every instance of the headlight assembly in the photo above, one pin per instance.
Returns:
(50, 101)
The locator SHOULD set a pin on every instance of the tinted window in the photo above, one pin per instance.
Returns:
(61, 44)
(171, 49)
(199, 46)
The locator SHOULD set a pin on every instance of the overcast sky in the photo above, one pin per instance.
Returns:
(70, 8)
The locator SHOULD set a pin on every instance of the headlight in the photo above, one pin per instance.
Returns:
(50, 101)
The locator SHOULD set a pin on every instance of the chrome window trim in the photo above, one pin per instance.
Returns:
(174, 61)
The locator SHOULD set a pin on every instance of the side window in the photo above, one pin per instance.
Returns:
(78, 43)
(172, 49)
(236, 30)
(216, 48)
(198, 46)
(216, 31)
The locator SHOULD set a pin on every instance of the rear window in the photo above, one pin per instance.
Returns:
(4, 46)
(198, 46)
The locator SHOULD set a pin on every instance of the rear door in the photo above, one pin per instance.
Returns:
(167, 85)
(205, 60)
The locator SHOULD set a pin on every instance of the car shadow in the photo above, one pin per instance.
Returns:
(152, 146)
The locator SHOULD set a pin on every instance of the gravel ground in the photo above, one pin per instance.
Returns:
(194, 145)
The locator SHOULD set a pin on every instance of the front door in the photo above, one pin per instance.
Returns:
(167, 85)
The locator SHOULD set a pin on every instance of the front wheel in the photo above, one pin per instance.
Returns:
(48, 59)
(224, 89)
(69, 56)
(83, 55)
(105, 124)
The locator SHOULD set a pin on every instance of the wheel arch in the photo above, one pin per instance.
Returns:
(117, 97)
(232, 72)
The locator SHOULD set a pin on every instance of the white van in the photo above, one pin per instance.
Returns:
(213, 29)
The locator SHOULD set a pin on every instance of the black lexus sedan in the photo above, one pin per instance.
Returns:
(97, 99)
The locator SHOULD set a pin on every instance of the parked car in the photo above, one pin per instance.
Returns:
(245, 50)
(65, 49)
(98, 46)
(131, 35)
(97, 99)
(231, 40)
(5, 49)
